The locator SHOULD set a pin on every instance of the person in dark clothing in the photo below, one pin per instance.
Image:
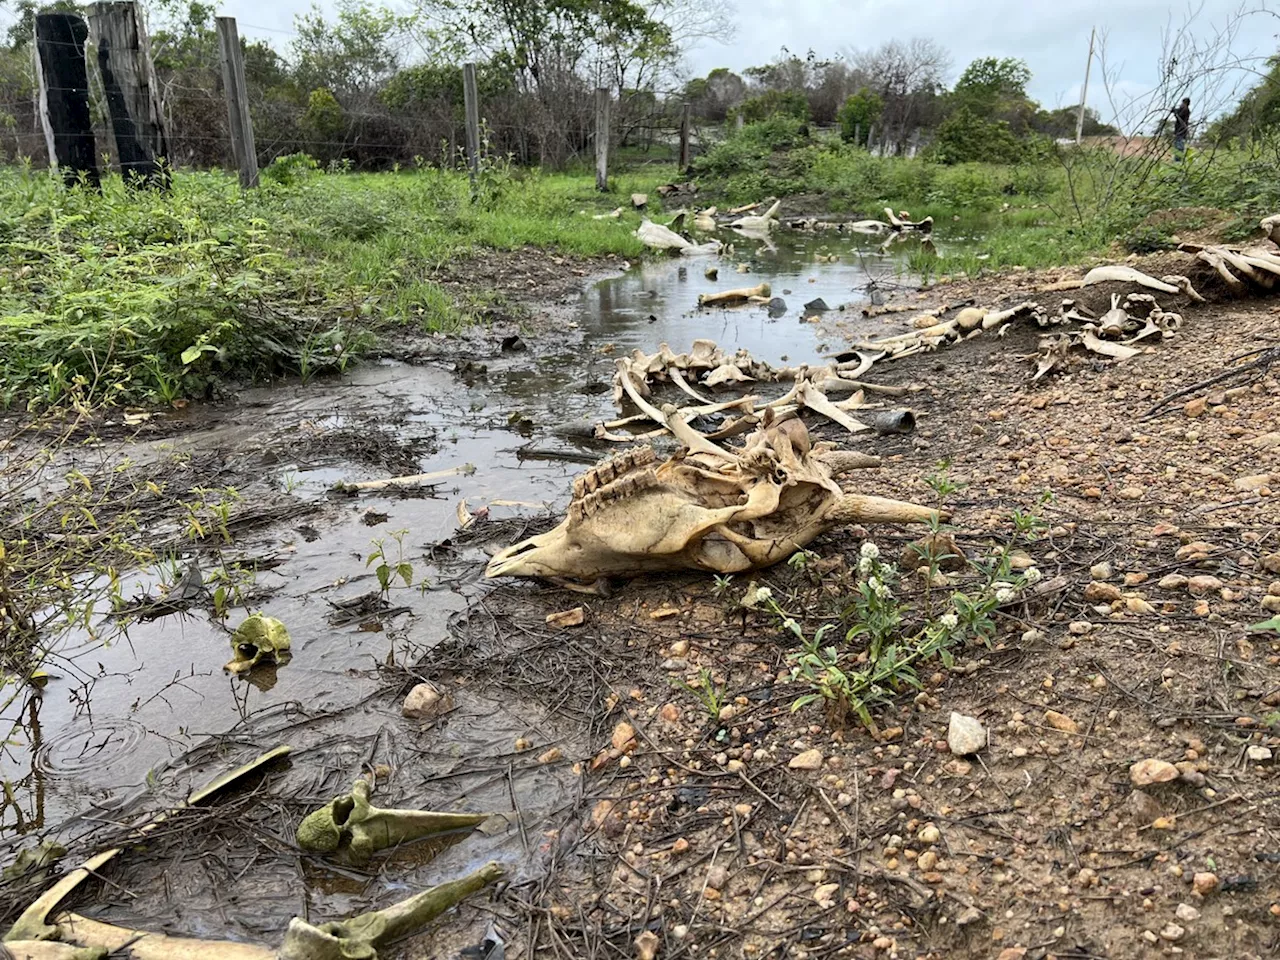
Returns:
(1181, 128)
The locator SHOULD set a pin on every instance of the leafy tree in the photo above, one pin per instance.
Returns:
(858, 114)
(1258, 111)
(1062, 123)
(353, 54)
(775, 103)
(996, 89)
(965, 137)
(908, 78)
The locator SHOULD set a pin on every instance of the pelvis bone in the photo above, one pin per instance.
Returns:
(352, 829)
(721, 510)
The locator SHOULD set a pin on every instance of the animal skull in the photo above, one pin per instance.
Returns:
(350, 827)
(718, 510)
(258, 640)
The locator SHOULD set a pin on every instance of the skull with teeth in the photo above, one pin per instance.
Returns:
(706, 508)
(256, 641)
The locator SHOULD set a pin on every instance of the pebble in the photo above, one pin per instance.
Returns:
(1203, 585)
(809, 760)
(670, 713)
(680, 648)
(551, 756)
(1271, 563)
(1205, 883)
(679, 931)
(1195, 408)
(927, 861)
(1187, 913)
(882, 943)
(675, 665)
(1174, 581)
(1097, 592)
(1078, 628)
(929, 834)
(1138, 606)
(1144, 806)
(1258, 754)
(424, 702)
(1060, 721)
(717, 877)
(1146, 772)
(624, 737)
(680, 846)
(1172, 932)
(965, 735)
(824, 894)
(1102, 571)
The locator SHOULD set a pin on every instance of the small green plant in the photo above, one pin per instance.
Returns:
(721, 586)
(387, 570)
(210, 512)
(940, 482)
(802, 559)
(705, 689)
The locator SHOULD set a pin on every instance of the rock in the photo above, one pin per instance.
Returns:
(1097, 592)
(965, 735)
(717, 877)
(624, 737)
(815, 306)
(1144, 773)
(824, 894)
(1133, 579)
(1102, 571)
(1078, 628)
(1256, 482)
(777, 307)
(1271, 603)
(883, 943)
(551, 756)
(1172, 932)
(1196, 407)
(675, 665)
(1271, 563)
(1060, 721)
(665, 613)
(1203, 585)
(927, 861)
(638, 200)
(1174, 581)
(809, 760)
(1203, 884)
(680, 846)
(968, 915)
(1196, 550)
(1144, 807)
(567, 618)
(1138, 606)
(1012, 953)
(425, 701)
(1187, 913)
(939, 549)
(929, 834)
(669, 713)
(680, 648)
(1258, 754)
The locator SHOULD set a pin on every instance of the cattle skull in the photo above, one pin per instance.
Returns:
(717, 510)
(352, 829)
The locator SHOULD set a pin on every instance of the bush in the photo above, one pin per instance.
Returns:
(773, 103)
(290, 169)
(858, 114)
(965, 137)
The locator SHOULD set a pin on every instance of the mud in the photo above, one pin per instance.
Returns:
(130, 727)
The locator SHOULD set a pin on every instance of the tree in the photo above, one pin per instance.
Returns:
(1257, 112)
(858, 114)
(996, 89)
(965, 137)
(908, 78)
(713, 96)
(351, 55)
(1061, 123)
(775, 103)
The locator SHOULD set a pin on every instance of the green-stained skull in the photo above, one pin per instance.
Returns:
(258, 640)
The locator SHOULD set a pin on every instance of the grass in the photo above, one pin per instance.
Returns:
(133, 296)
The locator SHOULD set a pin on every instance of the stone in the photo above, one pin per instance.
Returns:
(929, 834)
(1271, 603)
(680, 846)
(1133, 579)
(1172, 932)
(1144, 807)
(425, 701)
(927, 861)
(1138, 607)
(965, 735)
(1271, 563)
(1144, 773)
(680, 648)
(567, 618)
(1256, 482)
(670, 713)
(1203, 585)
(1102, 571)
(551, 756)
(624, 737)
(1012, 953)
(969, 915)
(883, 943)
(1174, 581)
(717, 877)
(1186, 913)
(1203, 884)
(1078, 628)
(1258, 754)
(1196, 550)
(809, 760)
(1060, 721)
(1097, 592)
(647, 943)
(1196, 407)
(665, 613)
(824, 894)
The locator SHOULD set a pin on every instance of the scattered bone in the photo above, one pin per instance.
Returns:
(740, 295)
(639, 200)
(611, 215)
(1117, 351)
(1122, 273)
(762, 223)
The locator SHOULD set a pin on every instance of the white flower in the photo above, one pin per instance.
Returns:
(869, 551)
(763, 594)
(879, 587)
(1006, 594)
(949, 620)
(865, 564)
(1032, 575)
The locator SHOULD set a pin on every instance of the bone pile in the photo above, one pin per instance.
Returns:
(707, 367)
(1244, 270)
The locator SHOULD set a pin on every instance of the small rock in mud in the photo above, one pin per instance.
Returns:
(777, 307)
(1102, 571)
(1060, 721)
(1203, 884)
(1258, 754)
(1172, 932)
(1144, 807)
(425, 701)
(624, 737)
(1144, 773)
(1271, 563)
(1186, 913)
(938, 549)
(1174, 581)
(513, 344)
(815, 306)
(554, 755)
(965, 735)
(1203, 585)
(809, 760)
(1097, 592)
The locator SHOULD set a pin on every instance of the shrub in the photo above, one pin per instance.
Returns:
(774, 103)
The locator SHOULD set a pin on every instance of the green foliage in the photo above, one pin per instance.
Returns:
(708, 693)
(389, 569)
(967, 137)
(1147, 239)
(994, 90)
(290, 169)
(774, 103)
(1258, 112)
(858, 114)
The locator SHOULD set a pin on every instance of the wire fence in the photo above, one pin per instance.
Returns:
(362, 127)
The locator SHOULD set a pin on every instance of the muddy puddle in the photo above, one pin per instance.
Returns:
(141, 720)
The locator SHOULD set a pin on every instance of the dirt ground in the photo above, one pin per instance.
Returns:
(1162, 541)
(697, 834)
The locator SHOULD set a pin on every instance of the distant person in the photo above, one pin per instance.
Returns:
(1181, 128)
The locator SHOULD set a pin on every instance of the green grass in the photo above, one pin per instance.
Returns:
(133, 296)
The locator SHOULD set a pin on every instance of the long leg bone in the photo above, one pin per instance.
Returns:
(816, 400)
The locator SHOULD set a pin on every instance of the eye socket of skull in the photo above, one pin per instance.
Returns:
(248, 651)
(343, 807)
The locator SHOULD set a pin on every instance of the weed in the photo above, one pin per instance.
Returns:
(388, 570)
(711, 696)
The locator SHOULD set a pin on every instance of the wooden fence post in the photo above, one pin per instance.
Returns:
(684, 137)
(602, 138)
(63, 83)
(471, 106)
(135, 116)
(244, 151)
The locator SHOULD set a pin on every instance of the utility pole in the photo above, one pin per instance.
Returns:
(1084, 91)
